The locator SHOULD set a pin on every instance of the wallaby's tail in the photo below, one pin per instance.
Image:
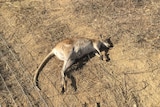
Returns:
(43, 63)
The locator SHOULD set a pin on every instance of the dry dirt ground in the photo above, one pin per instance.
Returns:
(29, 29)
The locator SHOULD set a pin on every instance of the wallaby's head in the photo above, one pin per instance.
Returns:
(106, 42)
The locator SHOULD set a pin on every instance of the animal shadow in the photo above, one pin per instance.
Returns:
(79, 64)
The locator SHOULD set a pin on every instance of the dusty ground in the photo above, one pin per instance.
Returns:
(29, 29)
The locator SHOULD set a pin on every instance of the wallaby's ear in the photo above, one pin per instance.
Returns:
(101, 37)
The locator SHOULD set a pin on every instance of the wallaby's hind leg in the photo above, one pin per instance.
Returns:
(66, 65)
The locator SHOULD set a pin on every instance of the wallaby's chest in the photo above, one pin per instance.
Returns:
(82, 48)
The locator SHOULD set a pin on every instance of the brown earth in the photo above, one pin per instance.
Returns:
(29, 29)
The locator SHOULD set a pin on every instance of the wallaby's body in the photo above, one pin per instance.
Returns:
(68, 51)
